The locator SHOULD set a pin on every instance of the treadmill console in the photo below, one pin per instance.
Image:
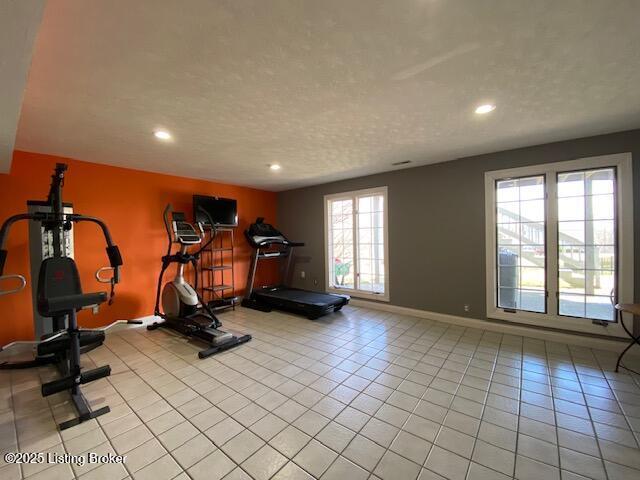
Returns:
(261, 234)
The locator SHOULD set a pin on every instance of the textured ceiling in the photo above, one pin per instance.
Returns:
(329, 89)
(19, 22)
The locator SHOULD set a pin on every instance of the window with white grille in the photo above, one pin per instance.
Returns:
(560, 243)
(356, 243)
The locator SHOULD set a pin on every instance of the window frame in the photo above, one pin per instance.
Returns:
(353, 195)
(546, 247)
(622, 162)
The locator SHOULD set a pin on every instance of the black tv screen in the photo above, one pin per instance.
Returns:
(223, 211)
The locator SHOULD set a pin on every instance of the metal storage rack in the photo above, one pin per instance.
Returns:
(216, 269)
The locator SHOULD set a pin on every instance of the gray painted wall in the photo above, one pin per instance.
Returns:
(436, 222)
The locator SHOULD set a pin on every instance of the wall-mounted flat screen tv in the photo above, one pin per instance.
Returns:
(223, 211)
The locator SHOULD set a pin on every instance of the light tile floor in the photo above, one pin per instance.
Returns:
(357, 395)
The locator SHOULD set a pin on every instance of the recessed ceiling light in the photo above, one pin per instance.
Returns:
(486, 108)
(275, 166)
(162, 134)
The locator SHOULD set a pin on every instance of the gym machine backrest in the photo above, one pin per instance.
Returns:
(41, 247)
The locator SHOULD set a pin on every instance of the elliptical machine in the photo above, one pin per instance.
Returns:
(59, 297)
(182, 308)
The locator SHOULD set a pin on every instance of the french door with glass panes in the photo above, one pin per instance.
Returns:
(356, 244)
(559, 243)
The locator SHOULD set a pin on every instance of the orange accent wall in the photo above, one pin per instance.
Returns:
(131, 203)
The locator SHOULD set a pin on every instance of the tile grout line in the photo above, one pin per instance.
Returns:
(553, 402)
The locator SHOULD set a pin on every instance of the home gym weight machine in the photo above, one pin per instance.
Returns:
(182, 308)
(59, 296)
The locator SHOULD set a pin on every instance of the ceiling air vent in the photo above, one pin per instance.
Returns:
(404, 162)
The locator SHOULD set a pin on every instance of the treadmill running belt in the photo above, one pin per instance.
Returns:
(302, 296)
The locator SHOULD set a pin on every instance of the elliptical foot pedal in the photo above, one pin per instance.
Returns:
(234, 342)
(218, 337)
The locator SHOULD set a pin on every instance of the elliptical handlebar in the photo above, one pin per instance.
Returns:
(182, 256)
(208, 215)
(167, 224)
(214, 231)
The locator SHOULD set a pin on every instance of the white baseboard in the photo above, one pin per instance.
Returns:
(148, 320)
(614, 344)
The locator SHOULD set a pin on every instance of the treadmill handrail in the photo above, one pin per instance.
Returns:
(279, 253)
(267, 241)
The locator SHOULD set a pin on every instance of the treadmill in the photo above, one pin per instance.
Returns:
(269, 243)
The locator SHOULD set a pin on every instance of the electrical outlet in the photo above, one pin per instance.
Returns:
(315, 282)
(303, 274)
(467, 307)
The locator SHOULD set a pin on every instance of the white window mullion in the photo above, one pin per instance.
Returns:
(552, 243)
(356, 243)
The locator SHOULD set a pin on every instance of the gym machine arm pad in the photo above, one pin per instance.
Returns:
(115, 259)
(4, 233)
